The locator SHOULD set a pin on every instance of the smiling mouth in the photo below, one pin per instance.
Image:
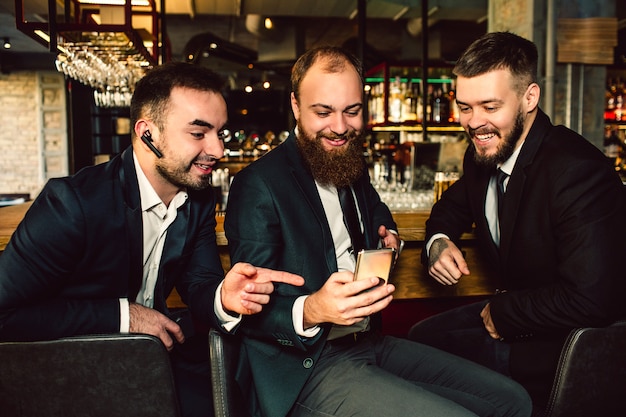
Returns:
(204, 166)
(336, 141)
(484, 137)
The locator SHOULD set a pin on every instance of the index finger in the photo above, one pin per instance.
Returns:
(266, 275)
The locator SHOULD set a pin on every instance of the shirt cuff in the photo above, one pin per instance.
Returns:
(227, 321)
(297, 315)
(124, 316)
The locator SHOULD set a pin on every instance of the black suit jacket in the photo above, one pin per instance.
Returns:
(79, 249)
(562, 238)
(275, 219)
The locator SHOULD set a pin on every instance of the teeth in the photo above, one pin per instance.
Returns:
(485, 137)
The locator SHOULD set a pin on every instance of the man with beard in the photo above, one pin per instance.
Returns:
(317, 349)
(99, 252)
(555, 245)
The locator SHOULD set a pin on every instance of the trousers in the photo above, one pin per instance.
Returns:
(461, 331)
(388, 376)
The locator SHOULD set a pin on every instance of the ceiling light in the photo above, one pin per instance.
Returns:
(7, 43)
(268, 23)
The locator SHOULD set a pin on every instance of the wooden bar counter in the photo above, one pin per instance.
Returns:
(409, 277)
(417, 294)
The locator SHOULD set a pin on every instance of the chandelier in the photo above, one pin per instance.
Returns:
(106, 45)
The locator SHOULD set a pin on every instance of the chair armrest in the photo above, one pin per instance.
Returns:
(99, 375)
(591, 373)
(224, 355)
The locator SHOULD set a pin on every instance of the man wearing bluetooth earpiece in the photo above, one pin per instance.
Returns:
(100, 251)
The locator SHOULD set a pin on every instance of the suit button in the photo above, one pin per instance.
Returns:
(307, 363)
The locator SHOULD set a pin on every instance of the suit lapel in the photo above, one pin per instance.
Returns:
(134, 223)
(517, 181)
(312, 198)
(366, 217)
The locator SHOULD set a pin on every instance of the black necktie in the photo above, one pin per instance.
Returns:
(351, 218)
(500, 177)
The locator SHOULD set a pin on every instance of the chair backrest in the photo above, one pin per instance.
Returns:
(224, 353)
(591, 374)
(104, 375)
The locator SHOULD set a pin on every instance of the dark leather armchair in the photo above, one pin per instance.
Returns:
(590, 378)
(591, 375)
(227, 398)
(125, 375)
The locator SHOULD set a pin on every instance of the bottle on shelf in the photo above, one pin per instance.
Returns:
(428, 102)
(620, 110)
(455, 116)
(409, 105)
(395, 101)
(440, 107)
(419, 103)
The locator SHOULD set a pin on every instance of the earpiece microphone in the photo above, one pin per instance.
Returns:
(147, 139)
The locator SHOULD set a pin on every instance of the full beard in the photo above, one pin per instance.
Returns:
(339, 167)
(505, 148)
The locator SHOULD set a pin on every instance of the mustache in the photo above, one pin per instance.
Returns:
(349, 135)
(206, 160)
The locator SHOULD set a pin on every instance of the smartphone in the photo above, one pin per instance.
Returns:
(374, 263)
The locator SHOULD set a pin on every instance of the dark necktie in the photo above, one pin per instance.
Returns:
(351, 218)
(500, 177)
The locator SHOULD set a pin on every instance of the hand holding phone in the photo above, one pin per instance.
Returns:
(374, 263)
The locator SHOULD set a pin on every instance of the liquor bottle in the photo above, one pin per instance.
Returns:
(445, 102)
(438, 106)
(419, 103)
(395, 101)
(409, 105)
(609, 110)
(620, 110)
(455, 116)
(428, 103)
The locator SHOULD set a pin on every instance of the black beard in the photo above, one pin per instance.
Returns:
(340, 167)
(179, 175)
(182, 179)
(506, 148)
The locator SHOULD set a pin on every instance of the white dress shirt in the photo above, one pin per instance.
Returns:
(346, 261)
(491, 201)
(156, 218)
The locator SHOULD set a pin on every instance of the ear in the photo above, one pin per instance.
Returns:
(531, 97)
(295, 108)
(141, 126)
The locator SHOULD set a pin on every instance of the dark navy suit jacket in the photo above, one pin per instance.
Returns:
(561, 242)
(79, 249)
(275, 219)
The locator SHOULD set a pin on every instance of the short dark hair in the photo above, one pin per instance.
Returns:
(335, 59)
(152, 92)
(500, 50)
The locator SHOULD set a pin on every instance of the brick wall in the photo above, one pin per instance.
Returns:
(24, 112)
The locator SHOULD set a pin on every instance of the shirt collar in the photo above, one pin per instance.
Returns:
(507, 166)
(149, 197)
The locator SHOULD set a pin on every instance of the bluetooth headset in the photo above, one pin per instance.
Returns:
(147, 139)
